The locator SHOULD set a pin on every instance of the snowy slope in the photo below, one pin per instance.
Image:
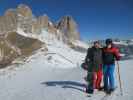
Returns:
(44, 36)
(59, 55)
(81, 44)
(55, 75)
(58, 52)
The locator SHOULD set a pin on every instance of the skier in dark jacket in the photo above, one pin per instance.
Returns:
(94, 67)
(110, 54)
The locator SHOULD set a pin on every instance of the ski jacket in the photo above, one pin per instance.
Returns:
(94, 58)
(110, 55)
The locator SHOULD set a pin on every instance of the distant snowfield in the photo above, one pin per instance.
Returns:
(56, 75)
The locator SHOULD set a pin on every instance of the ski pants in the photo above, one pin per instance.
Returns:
(94, 79)
(109, 81)
(97, 78)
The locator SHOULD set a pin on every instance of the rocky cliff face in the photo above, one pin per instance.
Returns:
(68, 27)
(40, 23)
(13, 44)
(22, 17)
(8, 22)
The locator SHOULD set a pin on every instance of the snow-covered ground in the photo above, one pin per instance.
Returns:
(56, 75)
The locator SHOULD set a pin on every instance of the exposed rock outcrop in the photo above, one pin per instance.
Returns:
(68, 27)
(13, 45)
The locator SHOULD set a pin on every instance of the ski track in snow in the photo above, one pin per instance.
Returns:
(53, 77)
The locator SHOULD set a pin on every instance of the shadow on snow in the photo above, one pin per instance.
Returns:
(66, 84)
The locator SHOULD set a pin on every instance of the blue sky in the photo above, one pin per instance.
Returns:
(97, 19)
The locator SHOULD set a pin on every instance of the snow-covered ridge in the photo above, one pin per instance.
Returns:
(124, 42)
(61, 56)
(58, 53)
(56, 57)
(81, 44)
(44, 36)
(120, 43)
(49, 38)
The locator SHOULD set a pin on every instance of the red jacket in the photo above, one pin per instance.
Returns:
(110, 55)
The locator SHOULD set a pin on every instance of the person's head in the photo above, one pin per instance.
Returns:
(97, 44)
(109, 43)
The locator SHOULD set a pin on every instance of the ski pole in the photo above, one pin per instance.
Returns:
(120, 83)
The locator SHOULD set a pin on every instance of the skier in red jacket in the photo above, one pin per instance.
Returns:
(110, 54)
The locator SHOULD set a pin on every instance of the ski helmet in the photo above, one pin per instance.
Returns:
(109, 41)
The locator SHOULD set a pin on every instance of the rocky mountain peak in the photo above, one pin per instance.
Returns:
(20, 32)
(22, 18)
(10, 12)
(24, 10)
(68, 27)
